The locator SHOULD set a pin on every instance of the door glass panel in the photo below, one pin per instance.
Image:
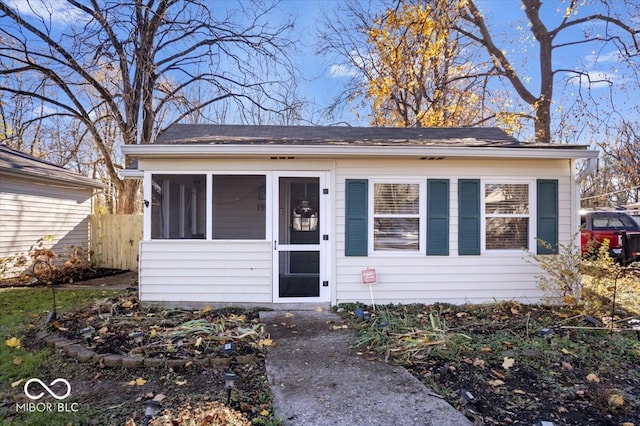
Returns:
(299, 237)
(299, 212)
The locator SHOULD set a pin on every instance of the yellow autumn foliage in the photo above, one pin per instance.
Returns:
(417, 76)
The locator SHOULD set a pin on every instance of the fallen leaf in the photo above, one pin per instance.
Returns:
(264, 412)
(159, 397)
(181, 382)
(153, 332)
(198, 342)
(339, 327)
(137, 382)
(265, 342)
(478, 363)
(14, 342)
(567, 366)
(17, 361)
(206, 309)
(288, 315)
(566, 351)
(127, 304)
(16, 383)
(591, 377)
(495, 383)
(508, 362)
(486, 349)
(497, 374)
(616, 400)
(562, 410)
(319, 309)
(519, 392)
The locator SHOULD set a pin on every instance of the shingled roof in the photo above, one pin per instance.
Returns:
(18, 163)
(334, 135)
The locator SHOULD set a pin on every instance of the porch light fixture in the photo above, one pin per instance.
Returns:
(151, 409)
(305, 217)
(230, 383)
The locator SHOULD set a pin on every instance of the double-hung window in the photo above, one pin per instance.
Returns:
(507, 215)
(396, 216)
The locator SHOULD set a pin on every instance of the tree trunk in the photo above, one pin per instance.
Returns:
(128, 202)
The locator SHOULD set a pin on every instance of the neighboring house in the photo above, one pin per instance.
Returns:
(279, 214)
(41, 205)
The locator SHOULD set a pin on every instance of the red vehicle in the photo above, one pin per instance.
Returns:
(622, 231)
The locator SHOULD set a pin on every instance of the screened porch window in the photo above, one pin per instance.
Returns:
(239, 210)
(507, 216)
(178, 206)
(396, 216)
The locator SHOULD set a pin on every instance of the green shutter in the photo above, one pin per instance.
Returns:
(547, 215)
(356, 206)
(438, 217)
(469, 216)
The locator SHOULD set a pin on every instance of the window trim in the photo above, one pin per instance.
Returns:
(421, 216)
(532, 208)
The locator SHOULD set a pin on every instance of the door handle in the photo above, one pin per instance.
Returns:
(275, 245)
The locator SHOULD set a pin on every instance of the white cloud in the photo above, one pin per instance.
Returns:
(54, 10)
(593, 79)
(598, 58)
(340, 70)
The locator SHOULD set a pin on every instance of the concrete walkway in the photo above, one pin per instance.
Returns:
(318, 379)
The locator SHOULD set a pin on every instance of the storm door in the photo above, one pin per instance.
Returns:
(300, 238)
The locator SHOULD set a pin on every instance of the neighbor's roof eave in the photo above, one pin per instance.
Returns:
(347, 151)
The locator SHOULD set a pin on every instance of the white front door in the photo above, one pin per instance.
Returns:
(300, 237)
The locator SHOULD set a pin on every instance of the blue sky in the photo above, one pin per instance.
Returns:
(322, 80)
(508, 22)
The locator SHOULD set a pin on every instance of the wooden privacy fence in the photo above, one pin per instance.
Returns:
(115, 240)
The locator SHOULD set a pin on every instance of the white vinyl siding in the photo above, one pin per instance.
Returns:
(493, 275)
(205, 271)
(33, 212)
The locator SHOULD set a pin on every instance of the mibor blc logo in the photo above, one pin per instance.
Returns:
(33, 389)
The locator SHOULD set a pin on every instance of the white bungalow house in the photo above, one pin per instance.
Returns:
(276, 214)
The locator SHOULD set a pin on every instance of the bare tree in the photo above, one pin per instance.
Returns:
(125, 69)
(605, 25)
